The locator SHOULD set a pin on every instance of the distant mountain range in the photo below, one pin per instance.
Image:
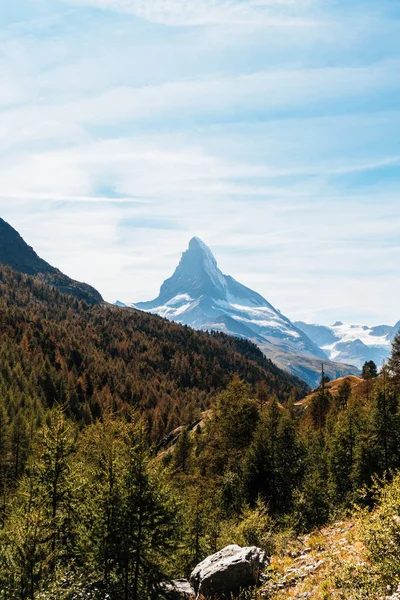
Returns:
(15, 253)
(353, 344)
(200, 295)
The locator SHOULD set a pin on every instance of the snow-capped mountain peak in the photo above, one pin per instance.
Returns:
(199, 294)
(352, 343)
(196, 274)
(197, 281)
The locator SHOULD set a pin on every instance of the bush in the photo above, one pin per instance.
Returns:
(381, 532)
(256, 528)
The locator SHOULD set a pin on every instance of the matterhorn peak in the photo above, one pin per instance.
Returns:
(199, 248)
(199, 258)
(197, 245)
(200, 295)
(198, 286)
(197, 274)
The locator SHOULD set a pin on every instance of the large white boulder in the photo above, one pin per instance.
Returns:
(228, 571)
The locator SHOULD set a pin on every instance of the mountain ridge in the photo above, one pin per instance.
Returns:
(17, 254)
(352, 343)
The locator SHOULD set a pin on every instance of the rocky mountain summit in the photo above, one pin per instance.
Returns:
(200, 295)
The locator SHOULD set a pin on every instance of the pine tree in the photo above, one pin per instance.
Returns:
(319, 407)
(343, 396)
(182, 451)
(312, 503)
(131, 509)
(393, 365)
(24, 547)
(39, 534)
(149, 518)
(19, 443)
(386, 427)
(234, 420)
(273, 463)
(343, 450)
(58, 483)
(262, 394)
(259, 469)
(4, 463)
(369, 370)
(290, 463)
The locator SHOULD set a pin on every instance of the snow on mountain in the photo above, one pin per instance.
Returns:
(200, 295)
(350, 343)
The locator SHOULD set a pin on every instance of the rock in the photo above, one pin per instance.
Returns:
(228, 571)
(179, 589)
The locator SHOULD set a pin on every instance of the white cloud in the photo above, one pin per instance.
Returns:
(234, 98)
(283, 13)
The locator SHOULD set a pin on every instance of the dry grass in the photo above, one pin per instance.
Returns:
(307, 567)
(357, 387)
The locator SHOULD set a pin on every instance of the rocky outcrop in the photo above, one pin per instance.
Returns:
(395, 596)
(228, 571)
(179, 589)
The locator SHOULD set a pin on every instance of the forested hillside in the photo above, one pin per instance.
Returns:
(57, 350)
(84, 391)
(90, 509)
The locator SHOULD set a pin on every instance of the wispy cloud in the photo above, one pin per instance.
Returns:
(283, 13)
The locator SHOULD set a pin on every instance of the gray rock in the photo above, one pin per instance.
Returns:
(179, 589)
(228, 571)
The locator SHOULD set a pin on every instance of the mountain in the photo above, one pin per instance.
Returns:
(15, 253)
(200, 295)
(350, 343)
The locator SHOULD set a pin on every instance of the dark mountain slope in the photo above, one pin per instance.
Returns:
(15, 253)
(96, 358)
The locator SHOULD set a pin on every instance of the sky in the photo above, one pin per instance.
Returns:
(268, 128)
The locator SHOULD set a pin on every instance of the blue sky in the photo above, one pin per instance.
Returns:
(268, 128)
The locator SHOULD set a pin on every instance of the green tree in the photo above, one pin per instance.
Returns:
(386, 427)
(262, 394)
(40, 534)
(183, 451)
(24, 544)
(393, 365)
(343, 396)
(369, 370)
(4, 462)
(149, 518)
(131, 509)
(343, 450)
(201, 522)
(273, 464)
(319, 407)
(234, 420)
(311, 500)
